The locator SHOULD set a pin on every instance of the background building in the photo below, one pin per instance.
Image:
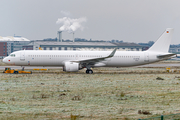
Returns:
(3, 49)
(93, 46)
(14, 43)
(174, 49)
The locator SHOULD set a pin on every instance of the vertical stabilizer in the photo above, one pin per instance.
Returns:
(163, 43)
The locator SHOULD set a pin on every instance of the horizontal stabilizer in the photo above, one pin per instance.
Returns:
(166, 55)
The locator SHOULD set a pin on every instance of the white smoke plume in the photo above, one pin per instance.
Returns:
(71, 25)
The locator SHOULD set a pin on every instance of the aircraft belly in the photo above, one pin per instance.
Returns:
(124, 62)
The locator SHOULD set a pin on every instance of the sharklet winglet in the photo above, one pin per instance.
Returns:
(112, 54)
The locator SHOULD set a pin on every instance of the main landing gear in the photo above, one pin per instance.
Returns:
(89, 71)
(22, 68)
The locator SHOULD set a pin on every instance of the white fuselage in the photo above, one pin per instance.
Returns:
(58, 58)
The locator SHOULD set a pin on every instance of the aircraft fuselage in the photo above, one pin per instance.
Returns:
(57, 58)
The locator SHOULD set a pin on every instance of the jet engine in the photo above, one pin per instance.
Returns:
(71, 67)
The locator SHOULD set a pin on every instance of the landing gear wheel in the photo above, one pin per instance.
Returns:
(89, 72)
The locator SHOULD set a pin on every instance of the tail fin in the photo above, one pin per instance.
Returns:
(162, 44)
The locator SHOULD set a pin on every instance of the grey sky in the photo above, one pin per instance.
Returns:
(127, 20)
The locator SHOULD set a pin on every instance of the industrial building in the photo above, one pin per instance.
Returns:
(93, 46)
(11, 44)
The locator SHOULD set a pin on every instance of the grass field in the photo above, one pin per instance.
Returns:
(109, 93)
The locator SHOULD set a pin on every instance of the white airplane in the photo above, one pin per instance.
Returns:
(73, 61)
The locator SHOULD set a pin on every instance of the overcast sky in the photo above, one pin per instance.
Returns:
(127, 20)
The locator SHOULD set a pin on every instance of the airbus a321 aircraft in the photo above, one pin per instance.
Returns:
(73, 61)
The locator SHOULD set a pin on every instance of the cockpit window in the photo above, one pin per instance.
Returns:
(12, 55)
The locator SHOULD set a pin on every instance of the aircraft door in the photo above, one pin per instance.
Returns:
(146, 57)
(22, 56)
(76, 56)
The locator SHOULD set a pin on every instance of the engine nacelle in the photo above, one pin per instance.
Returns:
(71, 67)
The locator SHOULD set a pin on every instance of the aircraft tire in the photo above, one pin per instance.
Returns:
(89, 72)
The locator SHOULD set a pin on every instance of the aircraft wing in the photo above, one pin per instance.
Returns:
(166, 55)
(95, 60)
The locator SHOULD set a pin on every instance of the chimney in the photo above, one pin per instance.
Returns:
(59, 36)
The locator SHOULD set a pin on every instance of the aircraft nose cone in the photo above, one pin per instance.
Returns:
(5, 60)
(9, 61)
